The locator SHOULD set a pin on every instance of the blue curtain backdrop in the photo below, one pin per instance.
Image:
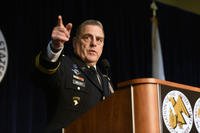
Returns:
(27, 26)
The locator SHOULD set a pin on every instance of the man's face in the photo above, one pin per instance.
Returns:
(89, 44)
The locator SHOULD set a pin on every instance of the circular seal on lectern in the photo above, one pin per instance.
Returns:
(197, 114)
(177, 112)
(3, 56)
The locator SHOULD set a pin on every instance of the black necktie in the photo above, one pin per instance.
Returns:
(97, 76)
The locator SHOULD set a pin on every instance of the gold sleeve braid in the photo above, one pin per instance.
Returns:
(42, 68)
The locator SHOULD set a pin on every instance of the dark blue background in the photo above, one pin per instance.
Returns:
(27, 26)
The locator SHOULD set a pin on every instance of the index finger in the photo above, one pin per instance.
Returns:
(60, 22)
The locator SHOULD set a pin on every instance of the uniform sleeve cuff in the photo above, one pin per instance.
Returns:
(53, 56)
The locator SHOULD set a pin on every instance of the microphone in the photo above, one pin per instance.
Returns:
(106, 66)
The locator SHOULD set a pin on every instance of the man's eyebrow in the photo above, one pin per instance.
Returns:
(87, 34)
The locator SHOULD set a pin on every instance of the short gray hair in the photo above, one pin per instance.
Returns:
(88, 22)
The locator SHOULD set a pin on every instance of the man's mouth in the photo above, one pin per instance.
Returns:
(91, 51)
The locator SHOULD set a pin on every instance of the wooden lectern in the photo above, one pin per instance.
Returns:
(139, 106)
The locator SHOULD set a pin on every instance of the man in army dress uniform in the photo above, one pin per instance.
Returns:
(73, 82)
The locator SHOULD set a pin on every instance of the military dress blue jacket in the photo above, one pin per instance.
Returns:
(70, 89)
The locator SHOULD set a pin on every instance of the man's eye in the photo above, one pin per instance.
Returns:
(100, 40)
(86, 38)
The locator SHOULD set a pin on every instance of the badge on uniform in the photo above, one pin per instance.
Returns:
(76, 100)
(78, 78)
(75, 69)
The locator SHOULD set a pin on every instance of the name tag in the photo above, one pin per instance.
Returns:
(79, 83)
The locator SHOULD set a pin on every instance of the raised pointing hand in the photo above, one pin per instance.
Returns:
(60, 33)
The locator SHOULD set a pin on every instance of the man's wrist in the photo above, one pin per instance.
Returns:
(53, 55)
(55, 49)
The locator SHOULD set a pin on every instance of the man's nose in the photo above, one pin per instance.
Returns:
(93, 42)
